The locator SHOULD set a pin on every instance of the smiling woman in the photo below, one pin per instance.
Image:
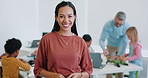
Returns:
(65, 14)
(65, 19)
(62, 53)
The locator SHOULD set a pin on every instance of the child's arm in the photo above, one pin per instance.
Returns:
(22, 64)
(136, 54)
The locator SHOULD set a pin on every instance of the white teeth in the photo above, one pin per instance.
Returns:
(65, 25)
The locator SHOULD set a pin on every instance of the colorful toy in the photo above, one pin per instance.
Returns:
(117, 62)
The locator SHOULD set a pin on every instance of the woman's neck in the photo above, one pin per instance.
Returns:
(65, 33)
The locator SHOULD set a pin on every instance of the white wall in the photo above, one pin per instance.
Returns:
(100, 11)
(19, 19)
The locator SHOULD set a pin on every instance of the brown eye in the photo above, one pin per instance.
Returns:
(61, 16)
(69, 16)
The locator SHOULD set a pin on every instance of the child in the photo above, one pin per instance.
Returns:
(87, 38)
(10, 64)
(134, 55)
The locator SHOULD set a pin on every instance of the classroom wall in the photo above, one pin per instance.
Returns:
(19, 19)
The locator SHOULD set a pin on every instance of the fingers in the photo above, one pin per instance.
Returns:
(60, 76)
(70, 76)
(124, 59)
(118, 57)
(113, 58)
(74, 75)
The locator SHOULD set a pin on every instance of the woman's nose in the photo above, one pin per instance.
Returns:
(66, 19)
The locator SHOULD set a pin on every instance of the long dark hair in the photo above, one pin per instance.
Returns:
(56, 25)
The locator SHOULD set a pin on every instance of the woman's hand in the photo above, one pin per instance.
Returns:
(59, 76)
(47, 74)
(105, 52)
(75, 75)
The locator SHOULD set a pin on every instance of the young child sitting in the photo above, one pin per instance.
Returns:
(134, 56)
(10, 64)
(87, 38)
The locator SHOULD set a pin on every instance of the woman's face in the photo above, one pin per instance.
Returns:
(65, 18)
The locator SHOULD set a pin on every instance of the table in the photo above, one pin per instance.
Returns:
(25, 51)
(28, 74)
(111, 68)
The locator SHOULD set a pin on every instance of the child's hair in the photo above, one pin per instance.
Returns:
(87, 37)
(12, 45)
(132, 31)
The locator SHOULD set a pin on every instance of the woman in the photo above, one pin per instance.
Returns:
(61, 53)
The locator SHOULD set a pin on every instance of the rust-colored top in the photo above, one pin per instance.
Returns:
(55, 56)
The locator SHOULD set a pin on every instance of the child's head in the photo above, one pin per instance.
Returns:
(13, 46)
(132, 34)
(87, 38)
